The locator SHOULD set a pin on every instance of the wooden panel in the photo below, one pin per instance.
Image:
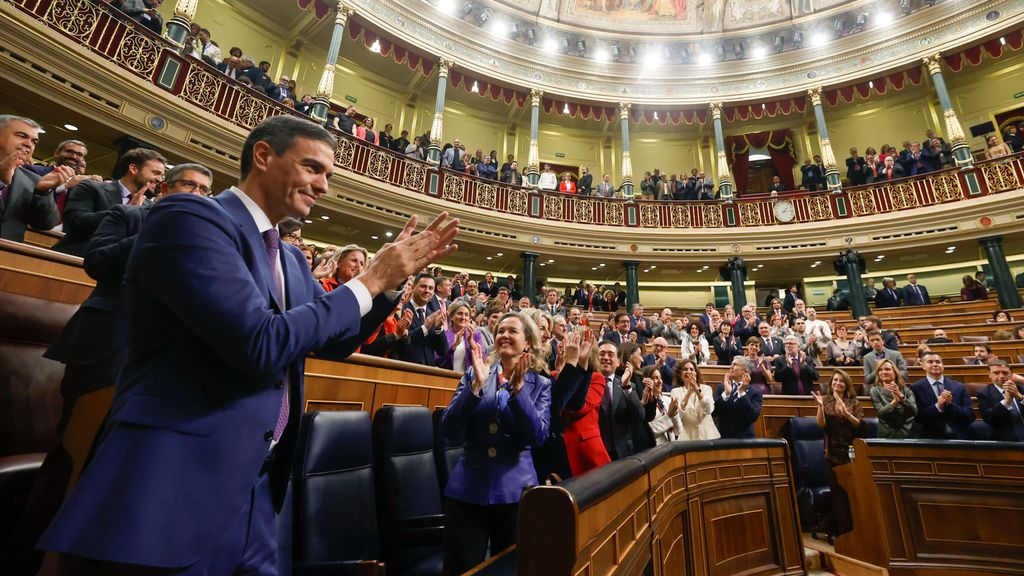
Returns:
(42, 273)
(738, 536)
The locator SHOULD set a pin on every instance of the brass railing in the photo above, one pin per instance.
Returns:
(135, 49)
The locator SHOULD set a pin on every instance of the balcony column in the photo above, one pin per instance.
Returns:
(850, 263)
(735, 271)
(437, 126)
(533, 156)
(1001, 275)
(324, 90)
(627, 162)
(725, 191)
(957, 140)
(179, 26)
(529, 283)
(632, 283)
(828, 158)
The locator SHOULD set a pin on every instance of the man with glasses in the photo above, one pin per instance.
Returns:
(291, 231)
(71, 154)
(666, 364)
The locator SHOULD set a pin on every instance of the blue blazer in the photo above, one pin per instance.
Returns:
(496, 465)
(910, 297)
(194, 412)
(736, 416)
(954, 418)
(885, 299)
(419, 348)
(1003, 425)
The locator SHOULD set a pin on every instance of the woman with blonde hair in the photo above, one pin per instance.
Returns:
(460, 331)
(842, 417)
(500, 411)
(894, 402)
(695, 401)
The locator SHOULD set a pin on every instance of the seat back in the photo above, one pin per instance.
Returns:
(30, 401)
(335, 517)
(974, 338)
(446, 452)
(870, 428)
(807, 442)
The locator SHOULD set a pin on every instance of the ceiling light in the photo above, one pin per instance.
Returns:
(699, 270)
(325, 217)
(375, 48)
(885, 18)
(951, 248)
(704, 59)
(446, 6)
(551, 45)
(499, 27)
(602, 55)
(475, 88)
(759, 52)
(489, 258)
(655, 115)
(819, 38)
(652, 267)
(374, 237)
(499, 254)
(1002, 40)
(880, 256)
(308, 221)
(543, 264)
(565, 109)
(594, 268)
(652, 59)
(71, 127)
(601, 265)
(871, 83)
(550, 260)
(388, 234)
(706, 267)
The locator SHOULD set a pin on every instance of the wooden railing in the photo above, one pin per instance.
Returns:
(142, 54)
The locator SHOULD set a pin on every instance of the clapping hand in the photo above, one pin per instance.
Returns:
(476, 354)
(648, 391)
(519, 370)
(404, 323)
(673, 408)
(11, 163)
(727, 385)
(325, 269)
(818, 398)
(60, 175)
(632, 337)
(945, 399)
(586, 345)
(410, 252)
(627, 376)
(570, 348)
(744, 383)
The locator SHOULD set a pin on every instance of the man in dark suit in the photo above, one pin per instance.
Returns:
(93, 346)
(944, 409)
(879, 352)
(795, 370)
(26, 199)
(889, 295)
(915, 294)
(639, 324)
(771, 347)
(737, 405)
(280, 91)
(551, 305)
(586, 184)
(891, 170)
(1002, 403)
(621, 409)
(666, 364)
(426, 342)
(777, 186)
(622, 332)
(139, 172)
(810, 176)
(789, 302)
(207, 408)
(145, 12)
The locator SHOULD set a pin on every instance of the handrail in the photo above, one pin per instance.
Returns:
(41, 253)
(147, 57)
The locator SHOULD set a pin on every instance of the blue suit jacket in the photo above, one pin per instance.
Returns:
(195, 407)
(419, 348)
(1003, 425)
(886, 300)
(954, 418)
(736, 416)
(910, 297)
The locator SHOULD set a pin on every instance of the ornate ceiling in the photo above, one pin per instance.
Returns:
(685, 52)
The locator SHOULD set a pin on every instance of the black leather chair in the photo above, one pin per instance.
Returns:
(335, 517)
(810, 471)
(409, 502)
(870, 428)
(446, 452)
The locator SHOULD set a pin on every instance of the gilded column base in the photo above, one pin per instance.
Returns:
(833, 181)
(320, 108)
(178, 28)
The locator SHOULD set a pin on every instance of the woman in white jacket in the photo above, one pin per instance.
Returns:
(695, 345)
(696, 403)
(666, 424)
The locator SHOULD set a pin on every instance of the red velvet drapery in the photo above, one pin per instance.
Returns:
(780, 147)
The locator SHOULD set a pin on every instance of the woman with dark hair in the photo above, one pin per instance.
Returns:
(1002, 317)
(695, 401)
(894, 402)
(842, 417)
(695, 344)
(973, 290)
(726, 345)
(663, 425)
(500, 411)
(631, 361)
(761, 366)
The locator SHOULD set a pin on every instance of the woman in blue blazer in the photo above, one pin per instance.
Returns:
(499, 411)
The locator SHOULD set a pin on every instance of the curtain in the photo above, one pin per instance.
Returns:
(780, 148)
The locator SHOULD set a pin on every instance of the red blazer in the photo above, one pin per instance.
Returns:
(567, 186)
(582, 435)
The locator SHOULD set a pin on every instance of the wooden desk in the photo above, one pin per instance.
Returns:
(42, 273)
(923, 507)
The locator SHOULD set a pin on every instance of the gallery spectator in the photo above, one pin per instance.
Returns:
(973, 290)
(548, 179)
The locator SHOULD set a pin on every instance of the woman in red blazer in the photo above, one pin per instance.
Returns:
(567, 185)
(580, 430)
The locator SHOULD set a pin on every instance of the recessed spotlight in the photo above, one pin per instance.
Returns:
(880, 257)
(704, 59)
(489, 258)
(1002, 41)
(699, 270)
(885, 18)
(652, 267)
(543, 264)
(594, 268)
(819, 39)
(325, 217)
(388, 234)
(499, 27)
(550, 260)
(706, 267)
(71, 127)
(551, 45)
(601, 265)
(652, 59)
(308, 221)
(374, 237)
(499, 254)
(475, 88)
(951, 248)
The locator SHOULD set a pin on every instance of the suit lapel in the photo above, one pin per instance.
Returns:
(260, 264)
(112, 192)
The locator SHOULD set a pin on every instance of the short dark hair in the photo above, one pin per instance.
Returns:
(204, 30)
(288, 225)
(262, 62)
(179, 169)
(136, 156)
(279, 132)
(984, 345)
(234, 50)
(421, 276)
(875, 319)
(621, 315)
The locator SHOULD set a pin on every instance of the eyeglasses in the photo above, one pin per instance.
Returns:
(190, 185)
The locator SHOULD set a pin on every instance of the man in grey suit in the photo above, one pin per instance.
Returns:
(26, 200)
(139, 172)
(605, 189)
(878, 353)
(551, 304)
(145, 12)
(454, 157)
(621, 409)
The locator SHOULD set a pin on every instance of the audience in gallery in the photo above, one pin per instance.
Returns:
(973, 289)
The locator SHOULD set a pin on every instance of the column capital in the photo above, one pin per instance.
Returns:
(186, 9)
(934, 63)
(444, 66)
(535, 95)
(991, 241)
(736, 263)
(716, 110)
(624, 108)
(630, 264)
(342, 12)
(814, 94)
(529, 255)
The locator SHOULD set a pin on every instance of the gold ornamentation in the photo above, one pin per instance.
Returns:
(649, 215)
(342, 14)
(415, 176)
(444, 66)
(533, 156)
(902, 196)
(379, 166)
(723, 168)
(627, 167)
(345, 152)
(814, 94)
(201, 87)
(712, 215)
(819, 207)
(326, 87)
(828, 158)
(517, 202)
(716, 110)
(138, 53)
(749, 214)
(250, 111)
(680, 216)
(1000, 176)
(437, 128)
(946, 188)
(486, 194)
(186, 9)
(535, 95)
(75, 17)
(583, 211)
(613, 213)
(934, 63)
(553, 206)
(624, 110)
(863, 202)
(454, 188)
(953, 129)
